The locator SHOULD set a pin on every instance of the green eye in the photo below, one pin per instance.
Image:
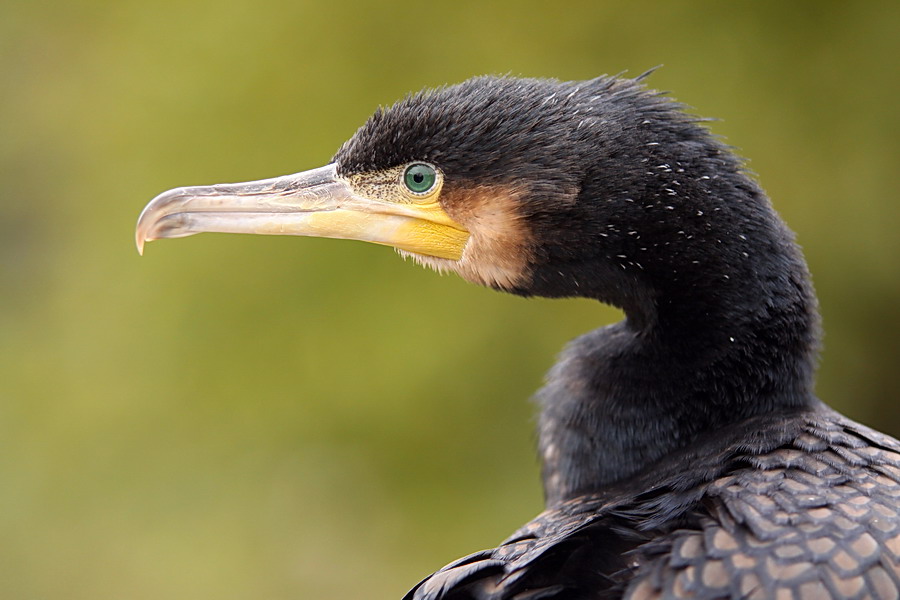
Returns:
(419, 177)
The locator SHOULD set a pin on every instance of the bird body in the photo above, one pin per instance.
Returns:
(684, 452)
(803, 505)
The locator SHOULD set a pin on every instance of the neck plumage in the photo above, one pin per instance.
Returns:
(733, 338)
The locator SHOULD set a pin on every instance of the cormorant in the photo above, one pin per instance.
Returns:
(684, 452)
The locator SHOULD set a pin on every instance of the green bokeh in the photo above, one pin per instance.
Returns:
(253, 417)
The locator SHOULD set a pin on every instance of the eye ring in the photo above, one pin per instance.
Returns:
(420, 178)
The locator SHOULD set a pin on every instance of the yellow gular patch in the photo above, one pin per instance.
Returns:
(498, 251)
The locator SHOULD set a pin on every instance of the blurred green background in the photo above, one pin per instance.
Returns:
(262, 417)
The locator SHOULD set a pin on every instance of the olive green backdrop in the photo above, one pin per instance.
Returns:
(251, 417)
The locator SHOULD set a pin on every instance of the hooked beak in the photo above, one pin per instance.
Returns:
(316, 203)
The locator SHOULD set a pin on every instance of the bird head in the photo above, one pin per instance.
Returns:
(538, 187)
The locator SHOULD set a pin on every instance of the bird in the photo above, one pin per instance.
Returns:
(684, 452)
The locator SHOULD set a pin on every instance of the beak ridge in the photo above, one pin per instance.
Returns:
(238, 207)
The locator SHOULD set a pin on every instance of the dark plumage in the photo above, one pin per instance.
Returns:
(684, 452)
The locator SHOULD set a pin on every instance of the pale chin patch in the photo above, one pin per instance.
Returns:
(441, 265)
(481, 273)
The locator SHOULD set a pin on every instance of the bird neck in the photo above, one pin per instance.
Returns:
(713, 347)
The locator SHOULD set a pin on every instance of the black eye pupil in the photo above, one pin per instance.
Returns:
(418, 178)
